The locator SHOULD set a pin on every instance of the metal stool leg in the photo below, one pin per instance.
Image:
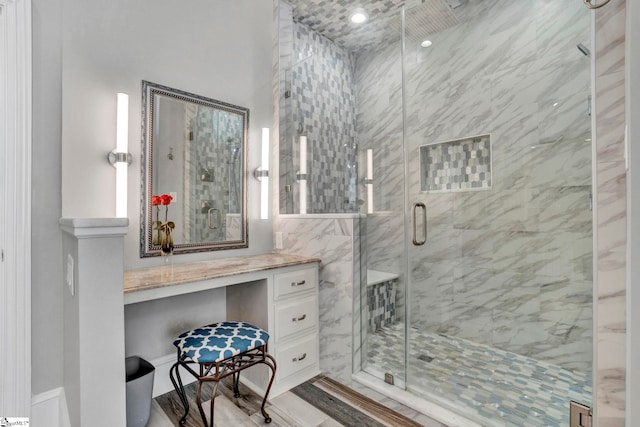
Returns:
(177, 385)
(199, 403)
(236, 388)
(271, 363)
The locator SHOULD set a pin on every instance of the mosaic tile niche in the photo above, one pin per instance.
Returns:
(458, 165)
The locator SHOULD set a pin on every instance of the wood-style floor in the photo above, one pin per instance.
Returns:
(320, 402)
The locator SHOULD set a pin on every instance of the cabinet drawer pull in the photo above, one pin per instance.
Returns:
(297, 319)
(298, 359)
(294, 284)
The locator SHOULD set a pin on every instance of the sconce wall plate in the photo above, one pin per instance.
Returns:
(260, 173)
(115, 157)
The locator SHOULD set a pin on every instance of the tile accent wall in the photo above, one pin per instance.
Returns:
(611, 206)
(320, 81)
(459, 165)
(381, 304)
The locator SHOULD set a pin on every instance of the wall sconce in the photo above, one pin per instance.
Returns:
(262, 174)
(120, 158)
(369, 180)
(302, 174)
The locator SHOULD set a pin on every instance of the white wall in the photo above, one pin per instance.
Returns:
(214, 48)
(46, 253)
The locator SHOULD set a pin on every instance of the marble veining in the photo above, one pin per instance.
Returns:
(611, 214)
(169, 275)
(336, 242)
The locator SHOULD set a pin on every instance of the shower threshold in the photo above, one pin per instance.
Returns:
(491, 386)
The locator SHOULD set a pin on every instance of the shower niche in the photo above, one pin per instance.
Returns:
(456, 165)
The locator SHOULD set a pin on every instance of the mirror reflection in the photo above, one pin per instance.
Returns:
(194, 150)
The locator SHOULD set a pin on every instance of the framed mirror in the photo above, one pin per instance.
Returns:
(194, 150)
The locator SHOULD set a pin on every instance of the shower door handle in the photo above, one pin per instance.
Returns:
(414, 224)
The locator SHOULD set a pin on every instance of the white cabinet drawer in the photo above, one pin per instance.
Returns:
(297, 356)
(295, 281)
(296, 316)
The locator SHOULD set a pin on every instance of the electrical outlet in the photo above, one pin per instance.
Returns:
(279, 244)
(70, 283)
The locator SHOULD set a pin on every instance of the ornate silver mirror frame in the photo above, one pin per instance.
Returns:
(195, 149)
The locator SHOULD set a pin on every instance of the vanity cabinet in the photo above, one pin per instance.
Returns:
(296, 326)
(276, 292)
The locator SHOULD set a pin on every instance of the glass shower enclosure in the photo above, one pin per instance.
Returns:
(457, 136)
(474, 145)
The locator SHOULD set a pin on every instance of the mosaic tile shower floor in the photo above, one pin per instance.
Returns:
(499, 387)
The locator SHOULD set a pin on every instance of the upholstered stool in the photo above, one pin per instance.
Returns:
(220, 350)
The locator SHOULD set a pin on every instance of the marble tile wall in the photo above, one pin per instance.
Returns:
(511, 266)
(609, 58)
(611, 204)
(336, 242)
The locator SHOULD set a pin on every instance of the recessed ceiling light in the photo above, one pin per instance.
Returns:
(359, 16)
(426, 43)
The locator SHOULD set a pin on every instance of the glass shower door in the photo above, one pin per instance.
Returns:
(498, 140)
(381, 172)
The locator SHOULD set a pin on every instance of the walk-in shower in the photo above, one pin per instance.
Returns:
(473, 166)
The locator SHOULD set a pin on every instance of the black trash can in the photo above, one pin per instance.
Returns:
(139, 390)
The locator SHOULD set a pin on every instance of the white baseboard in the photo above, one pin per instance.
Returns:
(161, 382)
(49, 409)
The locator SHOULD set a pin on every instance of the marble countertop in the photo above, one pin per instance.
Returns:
(168, 275)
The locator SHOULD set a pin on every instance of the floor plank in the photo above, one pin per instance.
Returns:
(298, 410)
(365, 404)
(319, 402)
(333, 406)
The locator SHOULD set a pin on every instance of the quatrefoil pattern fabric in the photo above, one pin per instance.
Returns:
(219, 341)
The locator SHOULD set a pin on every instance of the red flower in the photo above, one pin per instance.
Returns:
(165, 199)
(156, 200)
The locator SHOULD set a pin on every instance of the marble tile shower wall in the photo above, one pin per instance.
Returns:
(379, 118)
(322, 104)
(336, 242)
(511, 266)
(611, 204)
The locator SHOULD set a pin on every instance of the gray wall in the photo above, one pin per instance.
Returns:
(207, 48)
(217, 49)
(46, 252)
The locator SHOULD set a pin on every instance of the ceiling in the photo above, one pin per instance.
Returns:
(330, 18)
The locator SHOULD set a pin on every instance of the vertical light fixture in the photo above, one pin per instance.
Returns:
(369, 180)
(261, 173)
(120, 158)
(302, 177)
(264, 183)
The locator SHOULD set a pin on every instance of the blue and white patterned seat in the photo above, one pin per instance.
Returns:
(219, 341)
(220, 350)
